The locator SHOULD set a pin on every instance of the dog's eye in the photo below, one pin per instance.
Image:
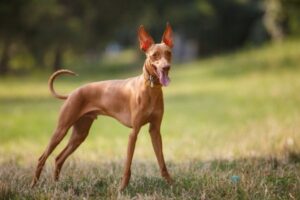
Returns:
(155, 56)
(168, 55)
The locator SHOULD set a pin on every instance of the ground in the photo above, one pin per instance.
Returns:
(231, 130)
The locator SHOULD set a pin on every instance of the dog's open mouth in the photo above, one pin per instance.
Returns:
(163, 77)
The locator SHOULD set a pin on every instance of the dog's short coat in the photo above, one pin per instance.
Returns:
(134, 102)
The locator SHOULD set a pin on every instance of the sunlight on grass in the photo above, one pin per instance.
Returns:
(224, 107)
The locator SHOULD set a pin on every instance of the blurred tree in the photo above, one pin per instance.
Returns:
(50, 28)
(5, 56)
(11, 29)
(274, 19)
(291, 11)
(78, 25)
(215, 25)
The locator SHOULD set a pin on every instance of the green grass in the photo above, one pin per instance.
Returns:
(236, 114)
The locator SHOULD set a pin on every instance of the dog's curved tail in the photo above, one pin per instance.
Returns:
(52, 78)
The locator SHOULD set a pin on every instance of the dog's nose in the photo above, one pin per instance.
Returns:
(166, 68)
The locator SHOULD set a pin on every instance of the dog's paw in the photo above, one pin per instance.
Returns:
(33, 183)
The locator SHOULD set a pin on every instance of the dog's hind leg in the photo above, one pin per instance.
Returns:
(58, 135)
(68, 116)
(80, 131)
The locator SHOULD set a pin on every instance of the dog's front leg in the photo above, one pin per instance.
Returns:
(130, 151)
(154, 131)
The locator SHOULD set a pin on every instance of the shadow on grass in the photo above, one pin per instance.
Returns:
(247, 178)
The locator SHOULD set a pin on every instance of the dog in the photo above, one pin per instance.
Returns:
(134, 102)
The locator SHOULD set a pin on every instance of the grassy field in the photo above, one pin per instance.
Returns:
(231, 130)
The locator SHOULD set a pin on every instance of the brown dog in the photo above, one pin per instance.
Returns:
(134, 102)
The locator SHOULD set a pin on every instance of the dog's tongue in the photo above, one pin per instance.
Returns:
(164, 78)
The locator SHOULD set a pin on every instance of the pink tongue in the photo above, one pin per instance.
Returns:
(163, 78)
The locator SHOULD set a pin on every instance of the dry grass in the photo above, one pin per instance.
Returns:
(250, 178)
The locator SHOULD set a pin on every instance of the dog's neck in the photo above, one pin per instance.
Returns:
(151, 79)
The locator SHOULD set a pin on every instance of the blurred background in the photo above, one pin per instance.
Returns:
(45, 35)
(235, 78)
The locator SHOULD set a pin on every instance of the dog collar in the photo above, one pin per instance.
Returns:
(152, 81)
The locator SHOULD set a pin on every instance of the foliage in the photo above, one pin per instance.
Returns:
(48, 30)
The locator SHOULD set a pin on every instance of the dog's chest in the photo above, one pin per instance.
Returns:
(150, 106)
(147, 104)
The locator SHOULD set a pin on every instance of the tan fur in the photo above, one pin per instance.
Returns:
(51, 79)
(134, 102)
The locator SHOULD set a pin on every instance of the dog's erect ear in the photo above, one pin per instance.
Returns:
(167, 37)
(145, 39)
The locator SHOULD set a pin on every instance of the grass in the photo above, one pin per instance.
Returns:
(193, 180)
(228, 116)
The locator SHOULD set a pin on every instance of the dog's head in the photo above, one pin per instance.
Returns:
(159, 55)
